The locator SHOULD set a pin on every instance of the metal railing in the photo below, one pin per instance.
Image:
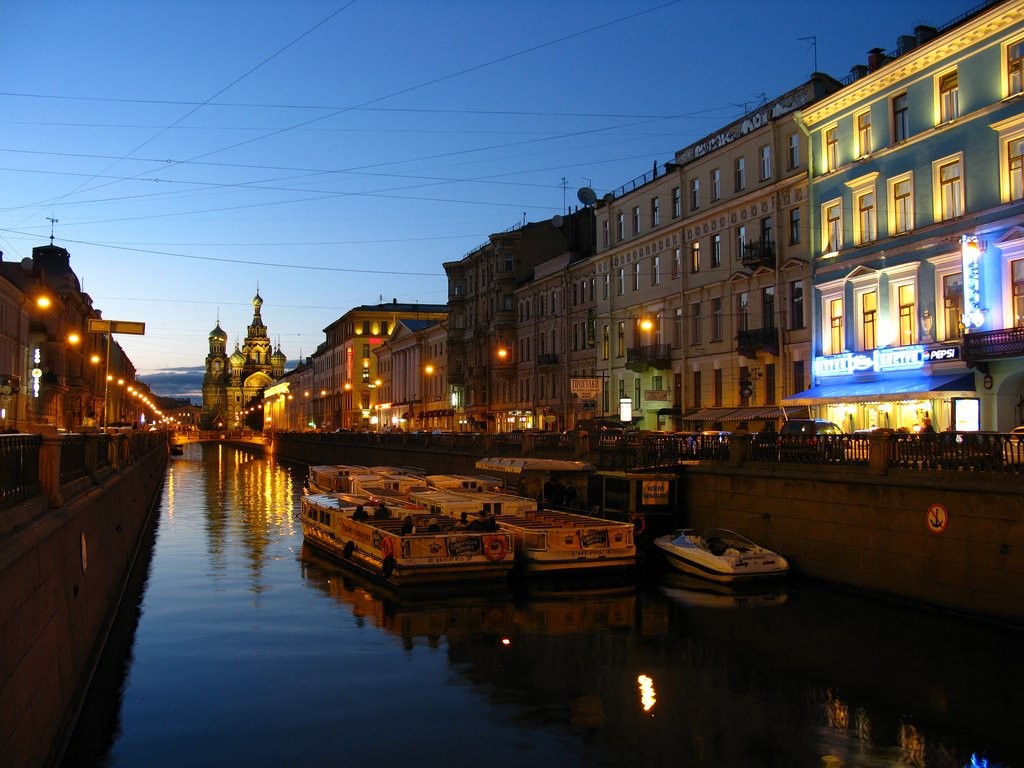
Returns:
(19, 468)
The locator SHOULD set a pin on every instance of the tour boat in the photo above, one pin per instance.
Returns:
(720, 555)
(546, 541)
(447, 557)
(329, 478)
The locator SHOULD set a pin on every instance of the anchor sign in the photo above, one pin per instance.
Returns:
(938, 518)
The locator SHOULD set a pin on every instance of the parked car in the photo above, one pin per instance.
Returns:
(810, 440)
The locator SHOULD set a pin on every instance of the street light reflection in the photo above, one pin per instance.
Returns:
(647, 697)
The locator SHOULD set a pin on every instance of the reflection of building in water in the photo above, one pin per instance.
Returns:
(639, 677)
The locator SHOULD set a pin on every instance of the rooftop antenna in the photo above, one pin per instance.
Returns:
(52, 222)
(564, 183)
(814, 45)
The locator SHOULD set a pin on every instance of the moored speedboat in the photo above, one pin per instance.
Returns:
(720, 555)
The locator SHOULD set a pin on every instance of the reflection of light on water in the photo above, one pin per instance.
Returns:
(977, 762)
(506, 641)
(911, 745)
(647, 697)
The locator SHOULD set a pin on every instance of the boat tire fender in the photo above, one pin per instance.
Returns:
(387, 567)
(346, 551)
(639, 524)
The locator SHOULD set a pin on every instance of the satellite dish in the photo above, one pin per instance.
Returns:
(586, 195)
(26, 264)
(556, 221)
(608, 199)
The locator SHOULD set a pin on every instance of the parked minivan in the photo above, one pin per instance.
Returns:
(809, 439)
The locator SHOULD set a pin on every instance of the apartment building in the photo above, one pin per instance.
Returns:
(918, 238)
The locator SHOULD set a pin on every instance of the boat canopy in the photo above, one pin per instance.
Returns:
(520, 465)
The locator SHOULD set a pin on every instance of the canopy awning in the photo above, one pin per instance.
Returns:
(708, 414)
(766, 412)
(890, 389)
(520, 465)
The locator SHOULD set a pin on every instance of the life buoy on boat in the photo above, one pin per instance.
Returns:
(346, 551)
(495, 547)
(388, 566)
(639, 523)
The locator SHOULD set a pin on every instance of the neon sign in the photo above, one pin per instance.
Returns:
(882, 360)
(970, 254)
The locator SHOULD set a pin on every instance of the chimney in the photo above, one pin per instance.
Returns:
(876, 58)
(924, 33)
(858, 71)
(905, 43)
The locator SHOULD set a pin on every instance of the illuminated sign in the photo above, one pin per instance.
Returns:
(970, 253)
(625, 409)
(882, 360)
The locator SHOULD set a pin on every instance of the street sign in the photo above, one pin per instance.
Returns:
(117, 326)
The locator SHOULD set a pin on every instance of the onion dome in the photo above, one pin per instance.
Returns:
(279, 357)
(237, 358)
(217, 334)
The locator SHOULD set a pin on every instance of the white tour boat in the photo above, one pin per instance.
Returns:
(332, 478)
(720, 555)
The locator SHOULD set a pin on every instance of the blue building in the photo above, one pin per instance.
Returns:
(917, 231)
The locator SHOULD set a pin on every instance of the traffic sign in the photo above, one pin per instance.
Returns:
(938, 518)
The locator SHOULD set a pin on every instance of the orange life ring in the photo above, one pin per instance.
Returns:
(639, 523)
(495, 547)
(387, 548)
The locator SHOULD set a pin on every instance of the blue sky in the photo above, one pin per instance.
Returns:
(337, 153)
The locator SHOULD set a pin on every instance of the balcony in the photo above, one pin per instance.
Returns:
(657, 356)
(749, 343)
(993, 345)
(758, 253)
(547, 360)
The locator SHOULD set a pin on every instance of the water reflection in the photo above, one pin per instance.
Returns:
(254, 650)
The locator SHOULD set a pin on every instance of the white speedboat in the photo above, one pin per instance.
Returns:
(720, 555)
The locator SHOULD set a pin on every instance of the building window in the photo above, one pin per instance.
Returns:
(636, 276)
(1017, 278)
(636, 219)
(900, 119)
(655, 212)
(769, 383)
(831, 148)
(863, 134)
(621, 282)
(677, 262)
(907, 308)
(950, 201)
(716, 250)
(869, 320)
(901, 209)
(694, 257)
(677, 202)
(655, 270)
(953, 305)
(695, 390)
(796, 304)
(695, 323)
(741, 174)
(677, 328)
(832, 226)
(949, 97)
(621, 339)
(716, 184)
(794, 226)
(794, 151)
(765, 153)
(866, 225)
(620, 226)
(835, 314)
(604, 233)
(604, 344)
(606, 285)
(716, 385)
(694, 194)
(766, 231)
(741, 240)
(1014, 76)
(1015, 158)
(508, 263)
(768, 307)
(716, 319)
(742, 312)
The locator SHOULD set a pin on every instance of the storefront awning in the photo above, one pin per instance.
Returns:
(708, 414)
(766, 412)
(890, 389)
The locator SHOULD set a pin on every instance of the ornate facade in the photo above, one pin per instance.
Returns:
(233, 384)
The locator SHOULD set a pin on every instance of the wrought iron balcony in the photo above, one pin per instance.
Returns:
(749, 343)
(993, 345)
(547, 359)
(758, 253)
(657, 356)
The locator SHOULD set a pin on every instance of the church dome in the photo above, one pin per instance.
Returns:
(217, 334)
(279, 357)
(257, 301)
(237, 358)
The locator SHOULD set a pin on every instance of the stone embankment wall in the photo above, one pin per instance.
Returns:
(62, 574)
(953, 540)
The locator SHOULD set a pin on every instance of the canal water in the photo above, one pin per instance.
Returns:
(245, 648)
